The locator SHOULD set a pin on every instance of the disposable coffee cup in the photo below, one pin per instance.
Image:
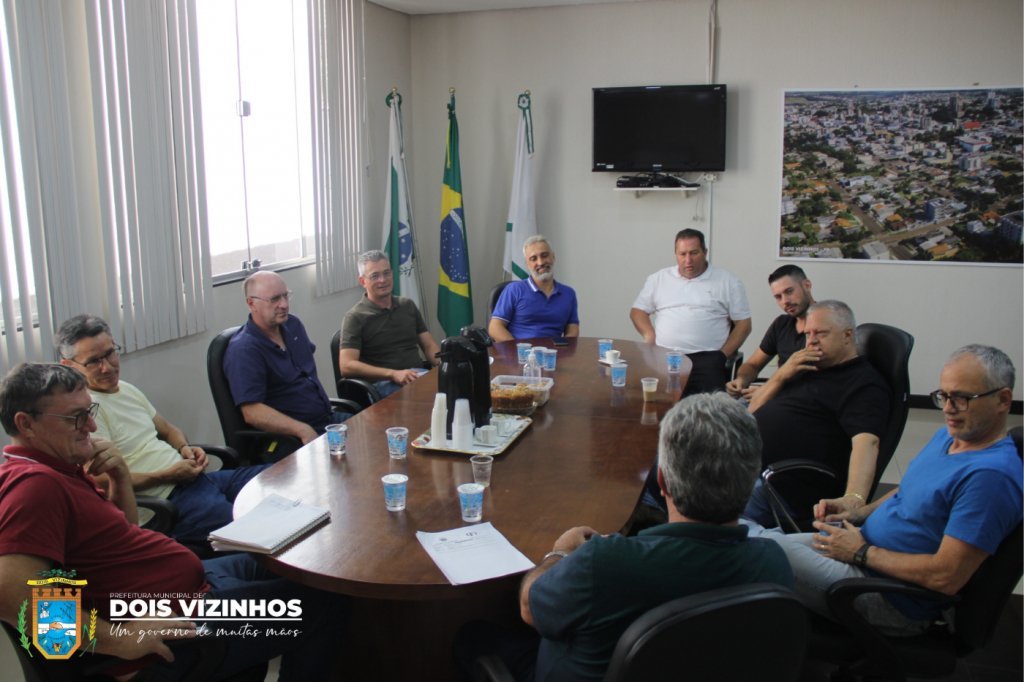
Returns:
(603, 346)
(337, 434)
(471, 500)
(611, 356)
(398, 441)
(650, 386)
(482, 465)
(522, 351)
(550, 359)
(488, 435)
(394, 491)
(674, 360)
(619, 374)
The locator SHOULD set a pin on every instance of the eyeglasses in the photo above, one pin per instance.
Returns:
(960, 402)
(274, 300)
(378, 276)
(79, 418)
(95, 362)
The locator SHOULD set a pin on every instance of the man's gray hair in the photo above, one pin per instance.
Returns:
(709, 452)
(28, 384)
(74, 330)
(841, 313)
(999, 371)
(367, 257)
(535, 239)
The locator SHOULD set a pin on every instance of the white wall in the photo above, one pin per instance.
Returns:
(608, 241)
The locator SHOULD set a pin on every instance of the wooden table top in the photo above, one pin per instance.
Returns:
(582, 462)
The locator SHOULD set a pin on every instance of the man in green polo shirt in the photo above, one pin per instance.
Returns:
(583, 594)
(383, 335)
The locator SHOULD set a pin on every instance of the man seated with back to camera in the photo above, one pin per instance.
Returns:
(827, 404)
(583, 594)
(161, 460)
(383, 335)
(792, 292)
(53, 515)
(958, 500)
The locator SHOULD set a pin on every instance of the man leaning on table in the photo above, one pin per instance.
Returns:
(696, 307)
(584, 593)
(383, 334)
(538, 306)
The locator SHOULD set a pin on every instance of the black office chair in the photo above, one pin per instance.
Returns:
(888, 350)
(492, 298)
(359, 391)
(254, 445)
(861, 650)
(699, 637)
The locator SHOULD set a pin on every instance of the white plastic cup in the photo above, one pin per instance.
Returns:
(398, 441)
(394, 491)
(611, 356)
(471, 501)
(482, 465)
(522, 350)
(337, 434)
(674, 360)
(550, 359)
(603, 346)
(488, 435)
(619, 374)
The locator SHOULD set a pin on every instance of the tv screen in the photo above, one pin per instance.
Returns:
(659, 128)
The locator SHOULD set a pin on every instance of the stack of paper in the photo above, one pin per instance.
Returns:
(473, 553)
(272, 524)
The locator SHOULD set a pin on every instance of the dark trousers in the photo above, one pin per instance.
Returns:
(708, 374)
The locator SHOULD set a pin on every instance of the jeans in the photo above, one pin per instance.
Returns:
(206, 503)
(759, 506)
(386, 387)
(308, 656)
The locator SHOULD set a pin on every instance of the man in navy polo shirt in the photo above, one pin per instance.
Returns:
(536, 307)
(270, 368)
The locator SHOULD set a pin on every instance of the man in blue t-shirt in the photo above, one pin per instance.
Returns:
(538, 306)
(959, 499)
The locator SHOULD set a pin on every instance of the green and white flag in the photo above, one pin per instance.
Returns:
(522, 209)
(399, 244)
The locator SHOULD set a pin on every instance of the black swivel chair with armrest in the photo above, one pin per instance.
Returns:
(492, 298)
(859, 649)
(743, 632)
(251, 443)
(359, 391)
(888, 350)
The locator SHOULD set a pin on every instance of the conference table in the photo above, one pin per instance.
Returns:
(582, 461)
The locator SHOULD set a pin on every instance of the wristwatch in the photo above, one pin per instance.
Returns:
(860, 557)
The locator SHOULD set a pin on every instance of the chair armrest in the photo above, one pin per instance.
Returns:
(840, 598)
(230, 456)
(345, 405)
(490, 668)
(782, 517)
(165, 513)
(359, 390)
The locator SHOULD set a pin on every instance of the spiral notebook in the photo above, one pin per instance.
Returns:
(271, 525)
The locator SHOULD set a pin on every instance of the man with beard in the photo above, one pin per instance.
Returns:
(383, 334)
(785, 336)
(536, 307)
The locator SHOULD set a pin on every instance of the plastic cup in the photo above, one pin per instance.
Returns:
(398, 440)
(619, 374)
(550, 359)
(650, 386)
(603, 346)
(471, 500)
(394, 491)
(337, 434)
(674, 359)
(482, 469)
(523, 350)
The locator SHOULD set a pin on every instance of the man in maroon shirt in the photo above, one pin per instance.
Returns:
(52, 514)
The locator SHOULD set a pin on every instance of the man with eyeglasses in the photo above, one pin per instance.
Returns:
(52, 514)
(537, 306)
(959, 498)
(159, 456)
(383, 335)
(270, 367)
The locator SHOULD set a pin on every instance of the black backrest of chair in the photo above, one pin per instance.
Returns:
(744, 632)
(888, 350)
(335, 349)
(231, 420)
(984, 597)
(492, 298)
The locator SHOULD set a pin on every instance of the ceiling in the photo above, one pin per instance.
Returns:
(446, 6)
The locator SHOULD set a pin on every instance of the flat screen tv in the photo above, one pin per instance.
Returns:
(659, 128)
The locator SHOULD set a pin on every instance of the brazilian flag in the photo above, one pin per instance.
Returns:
(454, 295)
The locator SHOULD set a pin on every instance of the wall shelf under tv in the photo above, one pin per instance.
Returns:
(638, 191)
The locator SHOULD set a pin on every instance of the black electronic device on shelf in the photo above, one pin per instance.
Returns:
(654, 181)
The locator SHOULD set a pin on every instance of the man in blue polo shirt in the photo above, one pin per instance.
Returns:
(536, 307)
(270, 368)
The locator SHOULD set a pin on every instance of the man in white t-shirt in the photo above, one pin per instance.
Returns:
(161, 460)
(700, 309)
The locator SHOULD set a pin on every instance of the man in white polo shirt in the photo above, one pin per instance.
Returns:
(697, 308)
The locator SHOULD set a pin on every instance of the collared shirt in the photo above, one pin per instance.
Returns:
(529, 313)
(385, 337)
(260, 371)
(693, 314)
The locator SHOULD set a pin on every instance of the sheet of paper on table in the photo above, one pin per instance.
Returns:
(473, 553)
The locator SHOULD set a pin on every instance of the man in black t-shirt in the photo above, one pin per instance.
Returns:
(827, 404)
(785, 336)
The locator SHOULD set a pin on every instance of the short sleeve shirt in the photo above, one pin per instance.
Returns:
(529, 313)
(782, 338)
(385, 337)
